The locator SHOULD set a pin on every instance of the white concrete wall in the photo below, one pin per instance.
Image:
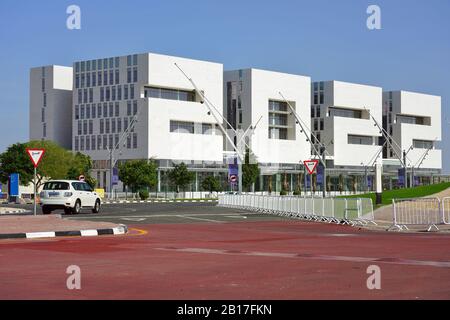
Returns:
(260, 86)
(356, 97)
(58, 112)
(420, 105)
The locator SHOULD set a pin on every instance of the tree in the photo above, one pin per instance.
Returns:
(180, 177)
(250, 170)
(138, 174)
(55, 163)
(81, 164)
(16, 160)
(212, 184)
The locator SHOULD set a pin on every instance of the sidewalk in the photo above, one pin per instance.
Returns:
(13, 227)
(5, 210)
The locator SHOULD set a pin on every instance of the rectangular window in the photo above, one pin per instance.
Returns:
(134, 140)
(107, 94)
(278, 106)
(111, 110)
(105, 78)
(125, 92)
(99, 142)
(107, 126)
(99, 110)
(321, 98)
(131, 91)
(111, 77)
(181, 127)
(82, 112)
(278, 133)
(99, 64)
(105, 63)
(85, 95)
(80, 96)
(170, 94)
(116, 109)
(119, 92)
(134, 107)
(99, 78)
(88, 143)
(318, 111)
(102, 126)
(113, 125)
(105, 110)
(111, 141)
(77, 67)
(128, 142)
(91, 95)
(105, 142)
(313, 112)
(94, 65)
(321, 124)
(91, 126)
(82, 80)
(356, 139)
(88, 111)
(117, 77)
(316, 125)
(345, 113)
(135, 60)
(102, 94)
(44, 98)
(116, 139)
(119, 125)
(83, 64)
(113, 93)
(77, 112)
(135, 74)
(42, 115)
(85, 127)
(117, 65)
(43, 84)
(125, 123)
(81, 143)
(128, 75)
(128, 108)
(88, 80)
(316, 98)
(94, 78)
(423, 144)
(77, 142)
(77, 81)
(128, 61)
(88, 65)
(93, 142)
(111, 63)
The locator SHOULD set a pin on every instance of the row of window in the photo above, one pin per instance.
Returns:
(362, 140)
(104, 110)
(103, 142)
(105, 78)
(191, 127)
(315, 112)
(106, 63)
(170, 94)
(318, 124)
(107, 94)
(114, 125)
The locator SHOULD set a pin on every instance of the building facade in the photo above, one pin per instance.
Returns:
(51, 104)
(143, 107)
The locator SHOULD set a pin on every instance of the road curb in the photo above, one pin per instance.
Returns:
(156, 201)
(14, 211)
(121, 229)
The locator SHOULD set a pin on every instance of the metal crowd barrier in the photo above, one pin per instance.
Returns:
(332, 210)
(445, 204)
(417, 212)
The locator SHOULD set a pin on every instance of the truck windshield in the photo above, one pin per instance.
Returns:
(56, 185)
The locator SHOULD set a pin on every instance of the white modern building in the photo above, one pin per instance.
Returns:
(414, 122)
(173, 124)
(51, 104)
(341, 119)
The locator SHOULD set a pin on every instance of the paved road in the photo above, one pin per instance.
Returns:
(171, 254)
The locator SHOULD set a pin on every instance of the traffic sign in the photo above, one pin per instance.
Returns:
(35, 156)
(311, 165)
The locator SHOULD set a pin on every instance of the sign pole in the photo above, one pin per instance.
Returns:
(35, 182)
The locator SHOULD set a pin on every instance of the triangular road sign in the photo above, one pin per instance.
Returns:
(35, 155)
(311, 165)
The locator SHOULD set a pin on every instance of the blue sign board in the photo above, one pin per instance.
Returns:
(401, 177)
(14, 185)
(319, 175)
(115, 177)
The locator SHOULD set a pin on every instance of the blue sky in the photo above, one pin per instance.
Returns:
(327, 40)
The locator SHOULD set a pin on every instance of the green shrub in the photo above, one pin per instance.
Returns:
(143, 194)
(283, 193)
(297, 192)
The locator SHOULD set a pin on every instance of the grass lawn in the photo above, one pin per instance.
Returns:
(417, 192)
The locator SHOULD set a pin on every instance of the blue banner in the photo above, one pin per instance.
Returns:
(369, 182)
(115, 177)
(233, 172)
(319, 175)
(14, 185)
(401, 177)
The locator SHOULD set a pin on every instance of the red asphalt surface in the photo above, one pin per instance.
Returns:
(245, 260)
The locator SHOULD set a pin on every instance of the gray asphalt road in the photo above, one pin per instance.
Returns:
(154, 213)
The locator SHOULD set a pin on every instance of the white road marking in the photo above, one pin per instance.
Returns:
(237, 217)
(201, 219)
(133, 219)
(154, 216)
(439, 264)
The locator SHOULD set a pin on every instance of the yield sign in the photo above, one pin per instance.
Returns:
(35, 155)
(311, 165)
